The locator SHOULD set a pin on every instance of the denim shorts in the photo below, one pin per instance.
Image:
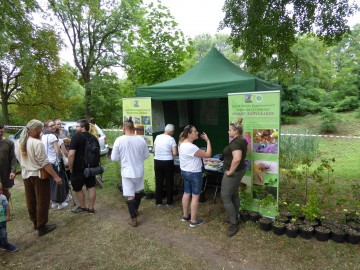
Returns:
(192, 182)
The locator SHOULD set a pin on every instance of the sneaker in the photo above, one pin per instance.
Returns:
(68, 198)
(170, 205)
(9, 247)
(62, 205)
(159, 205)
(91, 211)
(79, 210)
(196, 223)
(186, 218)
(133, 222)
(54, 205)
(46, 229)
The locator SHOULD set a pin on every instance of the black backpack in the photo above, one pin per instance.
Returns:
(92, 152)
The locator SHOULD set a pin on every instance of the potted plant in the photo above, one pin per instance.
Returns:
(148, 192)
(292, 230)
(278, 227)
(245, 198)
(322, 233)
(306, 230)
(353, 236)
(265, 222)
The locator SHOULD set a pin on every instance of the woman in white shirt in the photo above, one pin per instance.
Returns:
(165, 150)
(191, 170)
(54, 154)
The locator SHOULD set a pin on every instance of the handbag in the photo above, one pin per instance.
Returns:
(43, 174)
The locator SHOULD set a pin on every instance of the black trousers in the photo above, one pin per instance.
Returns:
(164, 169)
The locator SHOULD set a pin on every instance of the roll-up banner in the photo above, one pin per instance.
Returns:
(139, 111)
(260, 112)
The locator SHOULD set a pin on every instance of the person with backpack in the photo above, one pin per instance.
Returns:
(84, 154)
(131, 150)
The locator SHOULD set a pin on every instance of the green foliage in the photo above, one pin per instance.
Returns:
(311, 186)
(295, 209)
(266, 201)
(296, 149)
(311, 209)
(202, 44)
(329, 120)
(106, 101)
(30, 73)
(96, 31)
(266, 30)
(157, 48)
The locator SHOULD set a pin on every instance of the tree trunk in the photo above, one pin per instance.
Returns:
(87, 79)
(5, 109)
(87, 102)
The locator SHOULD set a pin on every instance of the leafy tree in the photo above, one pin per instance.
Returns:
(106, 89)
(203, 43)
(30, 73)
(96, 30)
(345, 57)
(266, 29)
(158, 48)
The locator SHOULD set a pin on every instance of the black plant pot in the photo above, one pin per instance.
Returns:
(306, 231)
(353, 239)
(322, 233)
(254, 216)
(265, 224)
(292, 230)
(279, 228)
(338, 235)
(353, 236)
(244, 215)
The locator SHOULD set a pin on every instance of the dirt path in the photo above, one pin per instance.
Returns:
(190, 244)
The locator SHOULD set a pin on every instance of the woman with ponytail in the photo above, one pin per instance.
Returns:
(190, 157)
(234, 169)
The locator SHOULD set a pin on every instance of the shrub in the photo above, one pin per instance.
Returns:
(329, 119)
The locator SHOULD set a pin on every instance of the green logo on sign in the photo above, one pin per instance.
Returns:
(259, 98)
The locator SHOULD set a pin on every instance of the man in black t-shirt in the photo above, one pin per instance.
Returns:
(76, 166)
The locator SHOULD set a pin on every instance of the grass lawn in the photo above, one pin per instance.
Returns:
(162, 241)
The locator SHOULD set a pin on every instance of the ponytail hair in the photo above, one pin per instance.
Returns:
(237, 125)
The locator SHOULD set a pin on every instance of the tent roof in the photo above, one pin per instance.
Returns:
(213, 77)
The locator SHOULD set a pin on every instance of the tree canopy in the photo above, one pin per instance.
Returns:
(266, 29)
(96, 30)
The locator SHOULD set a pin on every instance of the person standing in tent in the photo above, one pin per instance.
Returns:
(191, 164)
(234, 169)
(165, 150)
(131, 150)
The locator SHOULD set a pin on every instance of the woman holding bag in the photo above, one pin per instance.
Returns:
(234, 169)
(54, 154)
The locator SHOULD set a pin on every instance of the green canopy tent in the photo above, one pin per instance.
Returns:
(205, 88)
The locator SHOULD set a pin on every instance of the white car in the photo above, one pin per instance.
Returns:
(71, 127)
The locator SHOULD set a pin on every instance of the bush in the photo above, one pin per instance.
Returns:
(329, 119)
